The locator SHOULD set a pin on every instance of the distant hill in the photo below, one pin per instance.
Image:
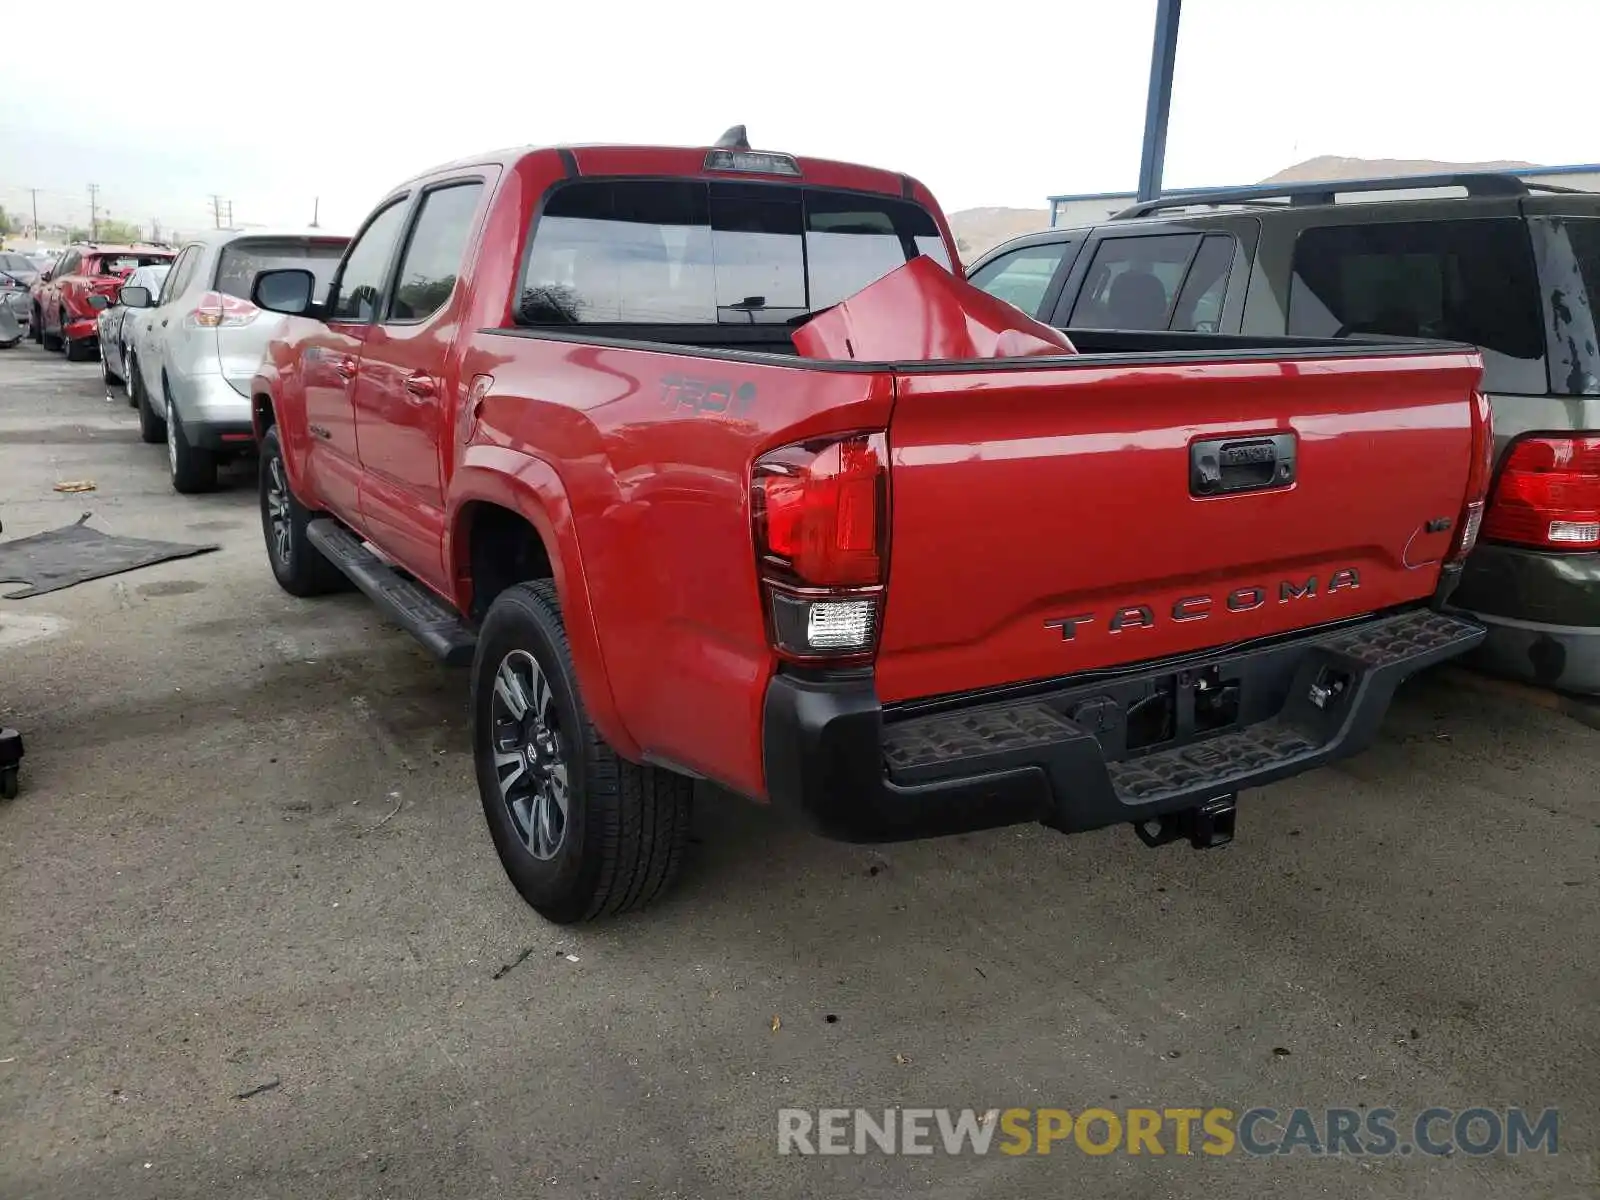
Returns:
(1330, 166)
(978, 230)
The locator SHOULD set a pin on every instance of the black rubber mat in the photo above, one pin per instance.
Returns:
(62, 558)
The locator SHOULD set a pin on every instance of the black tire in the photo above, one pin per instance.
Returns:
(36, 326)
(152, 425)
(79, 349)
(193, 469)
(301, 570)
(50, 341)
(622, 839)
(8, 783)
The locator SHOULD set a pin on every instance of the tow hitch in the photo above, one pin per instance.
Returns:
(1206, 826)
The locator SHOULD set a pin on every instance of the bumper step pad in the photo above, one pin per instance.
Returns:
(1304, 725)
(408, 604)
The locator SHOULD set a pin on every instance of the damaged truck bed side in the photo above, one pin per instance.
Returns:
(712, 468)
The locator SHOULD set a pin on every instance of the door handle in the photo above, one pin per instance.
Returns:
(421, 386)
(345, 369)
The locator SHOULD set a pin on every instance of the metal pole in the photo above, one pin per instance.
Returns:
(1163, 54)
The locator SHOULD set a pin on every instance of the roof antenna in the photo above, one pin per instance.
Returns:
(733, 139)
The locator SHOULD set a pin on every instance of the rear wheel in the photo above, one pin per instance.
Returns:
(581, 832)
(78, 349)
(297, 565)
(193, 469)
(36, 325)
(152, 426)
(50, 341)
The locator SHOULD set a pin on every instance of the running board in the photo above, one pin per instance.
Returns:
(407, 603)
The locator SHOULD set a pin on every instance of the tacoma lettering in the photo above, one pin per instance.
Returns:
(1198, 608)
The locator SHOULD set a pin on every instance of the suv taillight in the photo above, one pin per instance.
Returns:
(219, 309)
(1478, 473)
(1548, 495)
(821, 513)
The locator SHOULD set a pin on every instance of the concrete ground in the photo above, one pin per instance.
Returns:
(254, 940)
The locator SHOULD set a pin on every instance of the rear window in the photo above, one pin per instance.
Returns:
(685, 252)
(14, 262)
(122, 264)
(241, 261)
(1464, 281)
(1569, 267)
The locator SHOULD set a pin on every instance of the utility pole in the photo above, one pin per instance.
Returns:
(230, 214)
(34, 192)
(316, 208)
(94, 212)
(216, 210)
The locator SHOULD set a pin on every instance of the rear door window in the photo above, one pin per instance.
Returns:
(1199, 307)
(1133, 282)
(687, 252)
(241, 261)
(1464, 281)
(1023, 276)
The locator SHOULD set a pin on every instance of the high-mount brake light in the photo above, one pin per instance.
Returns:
(732, 153)
(1478, 473)
(1548, 494)
(821, 514)
(759, 162)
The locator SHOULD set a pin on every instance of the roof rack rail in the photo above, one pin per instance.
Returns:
(1477, 183)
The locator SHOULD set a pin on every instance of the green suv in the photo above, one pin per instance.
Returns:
(1509, 266)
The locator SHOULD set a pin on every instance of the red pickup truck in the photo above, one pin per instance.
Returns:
(711, 467)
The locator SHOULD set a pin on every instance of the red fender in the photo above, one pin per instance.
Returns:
(531, 488)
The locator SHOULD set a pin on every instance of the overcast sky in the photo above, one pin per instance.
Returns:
(999, 102)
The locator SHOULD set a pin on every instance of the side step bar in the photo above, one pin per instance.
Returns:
(407, 603)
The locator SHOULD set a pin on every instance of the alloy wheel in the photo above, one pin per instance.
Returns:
(529, 754)
(278, 509)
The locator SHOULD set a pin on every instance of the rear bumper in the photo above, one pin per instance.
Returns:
(82, 328)
(1556, 656)
(1543, 614)
(1061, 752)
(208, 405)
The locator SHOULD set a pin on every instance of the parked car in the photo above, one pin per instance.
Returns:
(1511, 266)
(711, 468)
(68, 298)
(17, 277)
(114, 325)
(194, 345)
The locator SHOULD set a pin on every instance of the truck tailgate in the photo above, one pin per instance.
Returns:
(1047, 520)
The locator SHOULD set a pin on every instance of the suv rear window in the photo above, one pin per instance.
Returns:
(687, 252)
(241, 261)
(1464, 281)
(1569, 267)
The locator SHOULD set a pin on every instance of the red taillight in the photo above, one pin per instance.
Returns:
(1479, 469)
(218, 309)
(1548, 495)
(821, 513)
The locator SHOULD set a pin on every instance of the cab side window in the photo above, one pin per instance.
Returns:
(1022, 277)
(1134, 281)
(366, 266)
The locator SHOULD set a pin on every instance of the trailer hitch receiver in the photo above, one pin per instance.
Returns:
(1206, 825)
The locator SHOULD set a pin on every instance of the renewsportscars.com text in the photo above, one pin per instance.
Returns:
(1260, 1131)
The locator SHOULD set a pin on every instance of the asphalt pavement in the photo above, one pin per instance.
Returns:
(254, 940)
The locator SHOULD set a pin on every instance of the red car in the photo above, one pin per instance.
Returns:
(68, 298)
(713, 467)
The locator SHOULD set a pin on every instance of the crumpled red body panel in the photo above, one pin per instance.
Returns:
(922, 312)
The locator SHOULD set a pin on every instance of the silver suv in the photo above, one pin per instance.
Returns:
(1490, 259)
(192, 349)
